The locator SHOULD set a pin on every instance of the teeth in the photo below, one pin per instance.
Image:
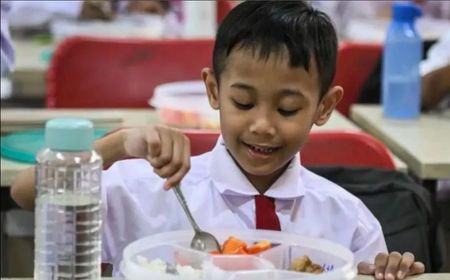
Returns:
(262, 150)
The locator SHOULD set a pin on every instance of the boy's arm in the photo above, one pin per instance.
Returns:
(110, 147)
(435, 86)
(167, 149)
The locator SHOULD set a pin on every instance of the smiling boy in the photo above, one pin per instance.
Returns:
(274, 62)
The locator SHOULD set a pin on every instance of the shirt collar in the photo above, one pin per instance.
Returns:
(229, 179)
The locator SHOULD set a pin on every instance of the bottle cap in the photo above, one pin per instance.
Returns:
(405, 11)
(69, 134)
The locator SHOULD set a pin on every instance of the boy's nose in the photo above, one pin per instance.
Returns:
(263, 125)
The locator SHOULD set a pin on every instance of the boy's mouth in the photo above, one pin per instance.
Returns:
(261, 149)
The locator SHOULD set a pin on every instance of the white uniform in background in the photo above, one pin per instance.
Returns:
(438, 55)
(344, 13)
(26, 14)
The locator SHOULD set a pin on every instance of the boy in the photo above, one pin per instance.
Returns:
(273, 66)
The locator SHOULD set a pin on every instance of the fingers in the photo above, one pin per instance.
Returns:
(173, 160)
(405, 265)
(169, 154)
(380, 265)
(392, 266)
(153, 142)
(416, 268)
(160, 149)
(175, 179)
(366, 268)
(168, 151)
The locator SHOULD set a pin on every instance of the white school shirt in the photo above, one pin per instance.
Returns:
(220, 196)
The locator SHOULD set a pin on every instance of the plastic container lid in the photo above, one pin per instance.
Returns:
(172, 248)
(23, 146)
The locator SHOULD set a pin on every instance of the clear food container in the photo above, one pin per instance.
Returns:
(168, 256)
(184, 105)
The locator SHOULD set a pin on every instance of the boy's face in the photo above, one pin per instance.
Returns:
(267, 110)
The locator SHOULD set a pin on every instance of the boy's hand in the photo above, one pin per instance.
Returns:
(168, 150)
(391, 267)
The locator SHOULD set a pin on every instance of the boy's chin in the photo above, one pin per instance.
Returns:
(263, 170)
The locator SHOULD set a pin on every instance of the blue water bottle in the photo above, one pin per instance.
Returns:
(401, 81)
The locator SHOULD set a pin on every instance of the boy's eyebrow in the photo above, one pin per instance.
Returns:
(243, 86)
(284, 92)
(290, 92)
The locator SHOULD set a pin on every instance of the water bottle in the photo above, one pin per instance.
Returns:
(68, 222)
(401, 80)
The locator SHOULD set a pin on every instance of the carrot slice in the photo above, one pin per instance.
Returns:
(234, 246)
(259, 247)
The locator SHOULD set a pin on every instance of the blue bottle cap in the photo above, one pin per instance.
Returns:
(69, 134)
(405, 11)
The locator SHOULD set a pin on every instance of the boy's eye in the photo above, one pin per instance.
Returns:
(243, 106)
(287, 113)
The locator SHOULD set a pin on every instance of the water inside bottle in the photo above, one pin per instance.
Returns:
(68, 235)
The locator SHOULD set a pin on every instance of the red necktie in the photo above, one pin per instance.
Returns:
(266, 217)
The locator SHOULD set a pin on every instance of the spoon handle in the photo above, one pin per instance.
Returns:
(183, 203)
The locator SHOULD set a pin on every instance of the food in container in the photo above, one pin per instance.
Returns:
(277, 262)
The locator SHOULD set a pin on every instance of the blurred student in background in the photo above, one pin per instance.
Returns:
(435, 70)
(343, 13)
(35, 14)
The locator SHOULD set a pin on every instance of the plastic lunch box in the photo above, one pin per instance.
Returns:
(184, 104)
(173, 248)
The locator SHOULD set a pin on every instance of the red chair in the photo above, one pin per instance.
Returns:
(87, 72)
(223, 8)
(322, 148)
(355, 62)
(345, 148)
(202, 141)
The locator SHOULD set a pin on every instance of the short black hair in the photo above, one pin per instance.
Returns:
(273, 26)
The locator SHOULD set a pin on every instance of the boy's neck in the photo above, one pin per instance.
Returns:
(263, 183)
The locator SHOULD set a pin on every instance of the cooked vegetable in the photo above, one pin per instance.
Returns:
(235, 246)
(304, 264)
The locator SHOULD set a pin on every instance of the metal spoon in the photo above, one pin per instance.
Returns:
(202, 240)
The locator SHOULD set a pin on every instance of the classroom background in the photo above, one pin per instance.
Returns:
(126, 63)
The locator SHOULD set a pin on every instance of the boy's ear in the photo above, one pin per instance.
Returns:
(212, 88)
(328, 104)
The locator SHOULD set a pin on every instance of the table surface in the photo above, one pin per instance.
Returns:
(423, 144)
(427, 276)
(22, 119)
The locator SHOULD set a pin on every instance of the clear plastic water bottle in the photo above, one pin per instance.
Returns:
(68, 218)
(401, 80)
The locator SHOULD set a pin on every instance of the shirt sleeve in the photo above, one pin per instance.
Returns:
(368, 239)
(134, 205)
